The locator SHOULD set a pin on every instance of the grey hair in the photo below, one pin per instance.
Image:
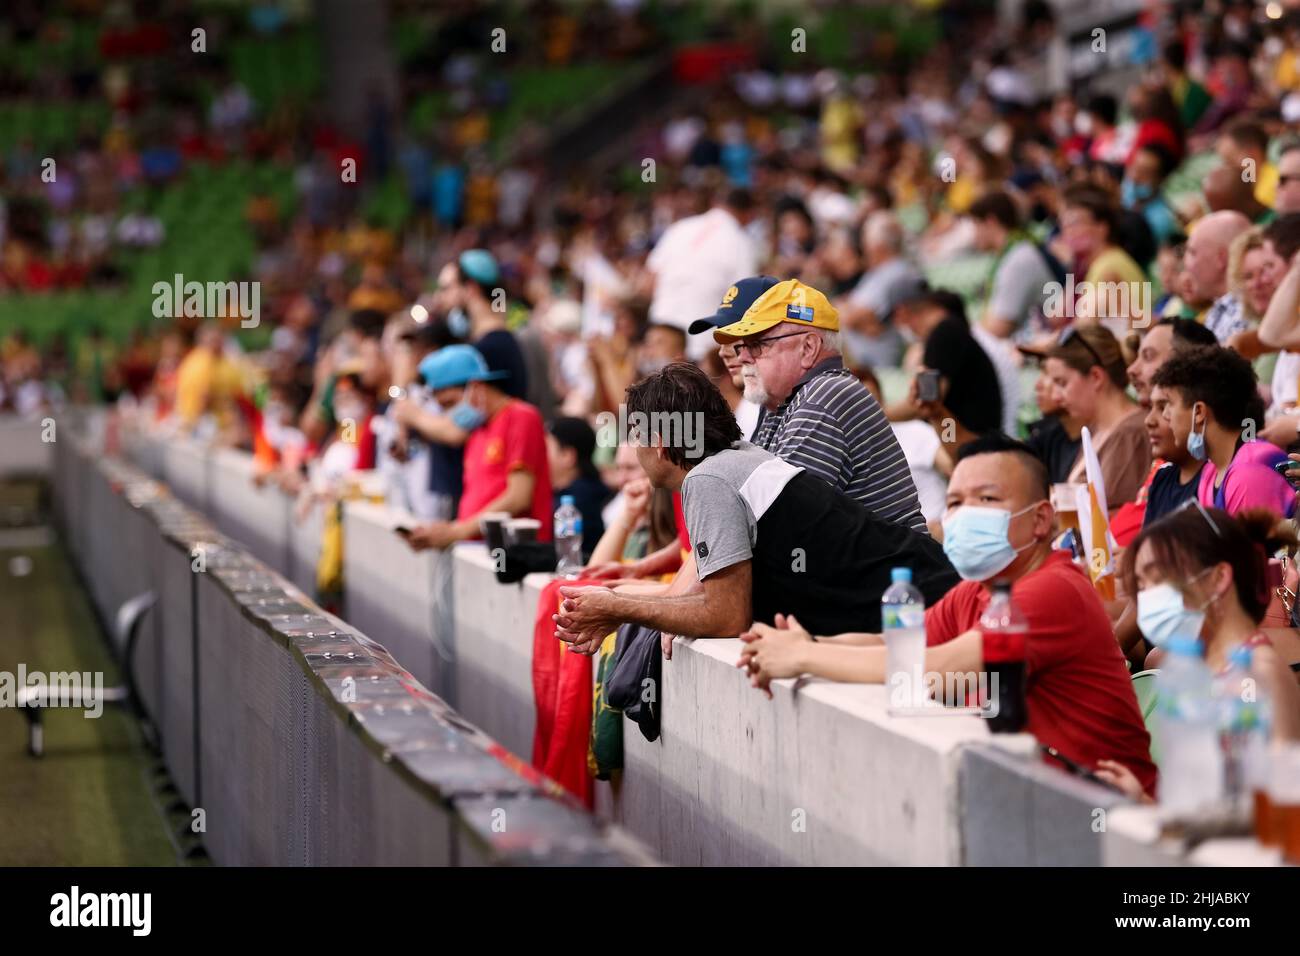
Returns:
(830, 340)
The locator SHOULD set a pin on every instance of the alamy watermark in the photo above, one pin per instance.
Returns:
(1098, 300)
(84, 689)
(974, 689)
(683, 430)
(211, 300)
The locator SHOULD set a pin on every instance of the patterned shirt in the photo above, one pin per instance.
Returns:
(835, 429)
(1225, 317)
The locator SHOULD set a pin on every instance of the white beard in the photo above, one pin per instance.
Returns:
(754, 390)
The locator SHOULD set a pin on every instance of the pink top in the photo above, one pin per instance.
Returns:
(1250, 482)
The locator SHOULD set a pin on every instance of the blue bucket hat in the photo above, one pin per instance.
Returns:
(456, 365)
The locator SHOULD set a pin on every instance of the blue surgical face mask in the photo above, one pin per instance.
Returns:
(1196, 440)
(1133, 194)
(1162, 615)
(975, 540)
(467, 417)
(458, 322)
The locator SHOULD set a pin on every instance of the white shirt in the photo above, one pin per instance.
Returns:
(747, 418)
(1286, 382)
(920, 444)
(695, 261)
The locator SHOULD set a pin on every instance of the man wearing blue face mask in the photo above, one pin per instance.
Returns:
(998, 528)
(1144, 176)
(505, 464)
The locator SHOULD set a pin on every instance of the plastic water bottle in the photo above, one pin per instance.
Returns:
(1004, 636)
(1187, 727)
(902, 625)
(1245, 715)
(568, 538)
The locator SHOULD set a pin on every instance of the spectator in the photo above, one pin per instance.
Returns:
(477, 313)
(969, 401)
(1021, 272)
(1242, 147)
(818, 416)
(1287, 200)
(1090, 234)
(506, 467)
(866, 312)
(1177, 480)
(1089, 378)
(1144, 178)
(570, 444)
(1079, 694)
(926, 457)
(1214, 402)
(1280, 329)
(747, 513)
(1205, 274)
(735, 303)
(1226, 191)
(1201, 569)
(697, 259)
(1054, 438)
(1157, 344)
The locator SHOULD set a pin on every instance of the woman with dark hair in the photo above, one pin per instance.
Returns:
(1158, 122)
(1201, 570)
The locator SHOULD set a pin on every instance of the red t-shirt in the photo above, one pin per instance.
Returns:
(1079, 693)
(513, 438)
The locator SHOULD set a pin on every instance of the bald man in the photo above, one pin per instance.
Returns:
(1226, 190)
(1205, 273)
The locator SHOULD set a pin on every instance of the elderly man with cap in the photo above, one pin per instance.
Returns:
(818, 416)
(505, 461)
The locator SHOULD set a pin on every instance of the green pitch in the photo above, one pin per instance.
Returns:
(87, 801)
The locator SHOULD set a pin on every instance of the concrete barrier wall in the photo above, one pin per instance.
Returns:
(22, 450)
(819, 775)
(303, 741)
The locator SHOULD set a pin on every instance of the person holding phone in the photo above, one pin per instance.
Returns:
(956, 389)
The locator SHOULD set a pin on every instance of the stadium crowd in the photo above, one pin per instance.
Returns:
(766, 282)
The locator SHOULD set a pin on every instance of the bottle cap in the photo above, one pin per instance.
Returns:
(901, 574)
(1185, 646)
(566, 499)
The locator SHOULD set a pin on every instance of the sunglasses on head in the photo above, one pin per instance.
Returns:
(1072, 334)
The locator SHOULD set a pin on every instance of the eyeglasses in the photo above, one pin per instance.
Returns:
(1072, 334)
(756, 348)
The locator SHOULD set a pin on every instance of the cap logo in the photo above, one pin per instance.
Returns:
(801, 313)
(726, 299)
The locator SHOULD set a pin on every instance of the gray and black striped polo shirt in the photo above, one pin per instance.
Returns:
(835, 429)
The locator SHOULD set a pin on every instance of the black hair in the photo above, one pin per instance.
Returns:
(1284, 235)
(1189, 540)
(368, 323)
(1218, 377)
(1188, 332)
(997, 443)
(683, 391)
(998, 205)
(576, 434)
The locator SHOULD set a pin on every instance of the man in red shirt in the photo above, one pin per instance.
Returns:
(506, 467)
(1079, 693)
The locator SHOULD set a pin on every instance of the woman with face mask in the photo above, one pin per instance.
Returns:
(1201, 572)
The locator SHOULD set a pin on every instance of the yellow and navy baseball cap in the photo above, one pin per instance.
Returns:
(789, 301)
(735, 303)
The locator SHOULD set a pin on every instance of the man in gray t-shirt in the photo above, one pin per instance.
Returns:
(767, 536)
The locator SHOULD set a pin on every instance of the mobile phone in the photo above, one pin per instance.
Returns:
(1075, 768)
(403, 530)
(927, 385)
(1284, 468)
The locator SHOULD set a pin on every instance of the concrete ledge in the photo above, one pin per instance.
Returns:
(819, 775)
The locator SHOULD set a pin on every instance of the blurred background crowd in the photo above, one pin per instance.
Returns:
(569, 185)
